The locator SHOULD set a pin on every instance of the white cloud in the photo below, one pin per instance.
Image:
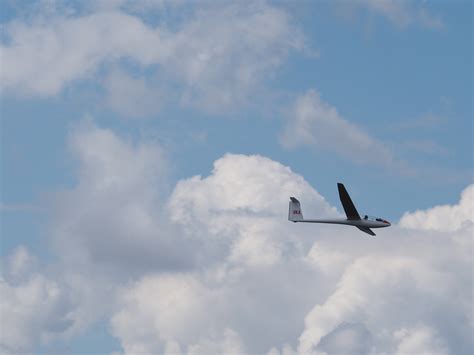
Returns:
(240, 201)
(314, 123)
(191, 309)
(403, 13)
(378, 294)
(19, 265)
(162, 309)
(424, 122)
(347, 338)
(419, 340)
(215, 59)
(237, 209)
(384, 293)
(215, 266)
(41, 58)
(426, 147)
(328, 260)
(18, 207)
(34, 308)
(446, 218)
(112, 225)
(228, 343)
(132, 97)
(114, 215)
(396, 11)
(224, 54)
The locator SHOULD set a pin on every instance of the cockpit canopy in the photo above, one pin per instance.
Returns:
(377, 219)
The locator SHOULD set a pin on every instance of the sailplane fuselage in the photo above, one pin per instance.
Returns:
(351, 222)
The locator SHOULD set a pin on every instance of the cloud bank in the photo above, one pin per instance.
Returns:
(446, 218)
(214, 266)
(34, 308)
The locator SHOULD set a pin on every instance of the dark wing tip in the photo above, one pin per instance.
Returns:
(367, 230)
(349, 208)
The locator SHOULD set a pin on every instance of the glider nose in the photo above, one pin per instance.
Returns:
(387, 223)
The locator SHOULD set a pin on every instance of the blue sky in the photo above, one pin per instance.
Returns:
(388, 88)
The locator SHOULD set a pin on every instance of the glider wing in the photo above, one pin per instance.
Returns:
(366, 230)
(349, 208)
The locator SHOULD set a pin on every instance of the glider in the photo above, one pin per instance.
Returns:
(353, 217)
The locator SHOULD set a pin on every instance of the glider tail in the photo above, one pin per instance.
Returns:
(294, 210)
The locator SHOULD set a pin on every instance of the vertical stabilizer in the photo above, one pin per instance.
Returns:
(294, 210)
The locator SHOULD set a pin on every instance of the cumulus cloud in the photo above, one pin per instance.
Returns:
(227, 343)
(347, 338)
(235, 208)
(117, 223)
(114, 214)
(214, 266)
(365, 294)
(314, 123)
(161, 309)
(365, 290)
(34, 308)
(213, 59)
(446, 218)
(419, 340)
(240, 199)
(112, 225)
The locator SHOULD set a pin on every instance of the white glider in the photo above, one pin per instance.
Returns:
(353, 218)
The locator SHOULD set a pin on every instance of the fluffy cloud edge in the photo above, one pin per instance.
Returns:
(443, 218)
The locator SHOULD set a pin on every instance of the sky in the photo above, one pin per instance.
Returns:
(149, 148)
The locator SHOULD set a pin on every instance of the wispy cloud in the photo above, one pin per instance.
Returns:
(215, 59)
(425, 146)
(132, 96)
(402, 13)
(428, 120)
(19, 207)
(316, 124)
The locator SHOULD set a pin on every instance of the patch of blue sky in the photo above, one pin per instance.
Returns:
(382, 76)
(95, 340)
(34, 165)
